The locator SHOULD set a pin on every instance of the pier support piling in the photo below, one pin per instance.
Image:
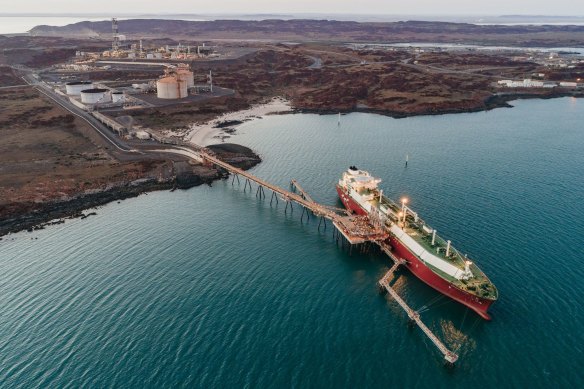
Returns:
(272, 198)
(347, 228)
(235, 176)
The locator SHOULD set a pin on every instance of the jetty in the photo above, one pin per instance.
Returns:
(356, 230)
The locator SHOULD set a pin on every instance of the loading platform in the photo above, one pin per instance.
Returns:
(355, 229)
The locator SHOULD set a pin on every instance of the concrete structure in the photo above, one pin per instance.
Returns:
(526, 83)
(171, 88)
(142, 87)
(529, 83)
(75, 88)
(95, 95)
(118, 97)
(142, 135)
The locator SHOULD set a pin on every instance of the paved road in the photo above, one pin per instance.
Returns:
(63, 102)
(121, 150)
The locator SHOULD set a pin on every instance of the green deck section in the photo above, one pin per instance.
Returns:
(478, 285)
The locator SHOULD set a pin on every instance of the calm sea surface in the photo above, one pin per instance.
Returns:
(211, 287)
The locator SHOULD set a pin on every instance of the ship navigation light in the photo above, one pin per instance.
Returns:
(404, 201)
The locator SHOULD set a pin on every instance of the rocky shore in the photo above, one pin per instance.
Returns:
(33, 215)
(500, 100)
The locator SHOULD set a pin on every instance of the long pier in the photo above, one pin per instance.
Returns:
(356, 229)
(414, 316)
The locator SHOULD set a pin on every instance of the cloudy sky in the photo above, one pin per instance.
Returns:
(420, 7)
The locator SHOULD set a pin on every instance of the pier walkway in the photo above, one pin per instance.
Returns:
(356, 229)
(449, 356)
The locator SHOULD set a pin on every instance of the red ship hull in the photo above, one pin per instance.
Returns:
(423, 272)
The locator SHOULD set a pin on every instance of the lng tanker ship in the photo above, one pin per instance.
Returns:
(431, 258)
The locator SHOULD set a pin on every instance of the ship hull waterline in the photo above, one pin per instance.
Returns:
(421, 271)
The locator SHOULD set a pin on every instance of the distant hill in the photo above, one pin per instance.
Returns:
(331, 30)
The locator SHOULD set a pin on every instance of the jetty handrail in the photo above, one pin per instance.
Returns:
(313, 206)
(449, 356)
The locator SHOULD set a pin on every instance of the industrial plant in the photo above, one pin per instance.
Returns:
(121, 48)
(176, 80)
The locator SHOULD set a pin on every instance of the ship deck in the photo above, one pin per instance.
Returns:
(478, 285)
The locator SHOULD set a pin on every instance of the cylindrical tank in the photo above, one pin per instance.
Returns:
(171, 88)
(118, 97)
(95, 95)
(187, 76)
(75, 88)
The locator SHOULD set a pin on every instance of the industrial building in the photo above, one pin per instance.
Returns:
(118, 97)
(123, 49)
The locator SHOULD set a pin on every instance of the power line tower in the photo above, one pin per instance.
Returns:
(116, 36)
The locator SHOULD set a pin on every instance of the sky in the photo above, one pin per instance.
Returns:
(411, 7)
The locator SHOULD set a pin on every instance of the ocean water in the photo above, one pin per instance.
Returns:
(212, 287)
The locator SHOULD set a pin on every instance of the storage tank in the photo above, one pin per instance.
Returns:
(171, 88)
(95, 95)
(75, 88)
(118, 97)
(142, 135)
(149, 56)
(158, 55)
(187, 76)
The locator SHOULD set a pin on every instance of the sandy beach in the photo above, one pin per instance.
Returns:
(208, 133)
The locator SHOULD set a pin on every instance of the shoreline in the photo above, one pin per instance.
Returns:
(212, 132)
(500, 100)
(39, 215)
(55, 211)
(221, 127)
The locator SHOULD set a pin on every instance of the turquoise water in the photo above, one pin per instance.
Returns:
(211, 287)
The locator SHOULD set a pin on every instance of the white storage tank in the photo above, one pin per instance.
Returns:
(75, 88)
(95, 95)
(187, 76)
(142, 135)
(171, 88)
(118, 97)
